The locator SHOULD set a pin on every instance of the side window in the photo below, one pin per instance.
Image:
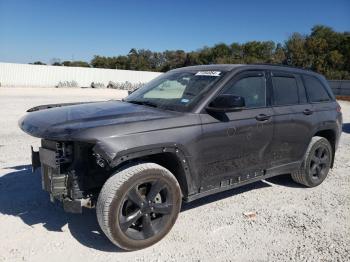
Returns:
(285, 90)
(315, 89)
(251, 88)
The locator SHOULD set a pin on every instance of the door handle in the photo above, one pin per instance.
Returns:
(307, 111)
(262, 117)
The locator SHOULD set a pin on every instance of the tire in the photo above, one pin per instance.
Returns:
(133, 211)
(316, 164)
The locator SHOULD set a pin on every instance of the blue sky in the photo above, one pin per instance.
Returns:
(32, 30)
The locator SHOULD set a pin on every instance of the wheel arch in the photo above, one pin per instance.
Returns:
(170, 157)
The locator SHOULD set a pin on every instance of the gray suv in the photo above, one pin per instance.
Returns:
(189, 133)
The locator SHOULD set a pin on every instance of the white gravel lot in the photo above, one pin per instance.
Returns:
(293, 223)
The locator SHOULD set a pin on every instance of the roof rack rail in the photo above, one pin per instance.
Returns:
(282, 65)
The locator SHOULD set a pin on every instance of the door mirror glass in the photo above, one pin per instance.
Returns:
(226, 103)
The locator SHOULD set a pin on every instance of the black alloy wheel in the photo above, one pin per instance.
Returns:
(145, 209)
(316, 164)
(139, 205)
(319, 162)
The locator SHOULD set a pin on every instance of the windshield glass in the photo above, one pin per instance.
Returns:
(177, 91)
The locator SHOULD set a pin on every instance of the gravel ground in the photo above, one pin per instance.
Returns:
(292, 222)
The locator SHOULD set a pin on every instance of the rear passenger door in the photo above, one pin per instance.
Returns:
(293, 118)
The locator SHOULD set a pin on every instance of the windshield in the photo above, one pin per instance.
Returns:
(178, 91)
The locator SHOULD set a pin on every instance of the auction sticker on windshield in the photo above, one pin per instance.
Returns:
(208, 73)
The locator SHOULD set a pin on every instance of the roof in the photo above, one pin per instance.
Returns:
(230, 67)
(221, 67)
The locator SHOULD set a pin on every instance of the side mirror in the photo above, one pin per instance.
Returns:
(226, 103)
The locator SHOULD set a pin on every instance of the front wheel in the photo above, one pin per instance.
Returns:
(138, 206)
(316, 164)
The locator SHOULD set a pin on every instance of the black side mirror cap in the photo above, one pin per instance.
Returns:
(226, 103)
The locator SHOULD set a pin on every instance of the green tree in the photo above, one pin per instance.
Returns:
(37, 63)
(323, 50)
(279, 55)
(66, 63)
(99, 62)
(296, 51)
(79, 64)
(237, 53)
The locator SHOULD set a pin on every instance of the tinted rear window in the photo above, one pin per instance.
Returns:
(315, 90)
(285, 90)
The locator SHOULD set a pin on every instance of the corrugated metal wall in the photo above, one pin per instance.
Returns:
(340, 87)
(24, 75)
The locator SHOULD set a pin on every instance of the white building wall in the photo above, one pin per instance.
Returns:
(25, 75)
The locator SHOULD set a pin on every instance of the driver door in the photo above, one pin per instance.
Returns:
(235, 146)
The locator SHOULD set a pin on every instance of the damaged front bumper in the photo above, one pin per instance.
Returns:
(54, 158)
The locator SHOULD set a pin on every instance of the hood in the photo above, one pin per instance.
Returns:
(68, 121)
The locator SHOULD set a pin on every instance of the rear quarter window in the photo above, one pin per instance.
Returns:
(315, 89)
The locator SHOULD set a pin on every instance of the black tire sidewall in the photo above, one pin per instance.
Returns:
(117, 234)
(308, 177)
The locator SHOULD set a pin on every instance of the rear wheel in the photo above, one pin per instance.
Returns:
(316, 164)
(139, 205)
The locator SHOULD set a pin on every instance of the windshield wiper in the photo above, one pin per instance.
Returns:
(138, 102)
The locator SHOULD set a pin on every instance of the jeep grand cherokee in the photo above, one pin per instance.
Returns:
(189, 133)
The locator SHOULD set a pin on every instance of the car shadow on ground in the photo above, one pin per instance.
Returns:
(284, 180)
(346, 128)
(21, 195)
